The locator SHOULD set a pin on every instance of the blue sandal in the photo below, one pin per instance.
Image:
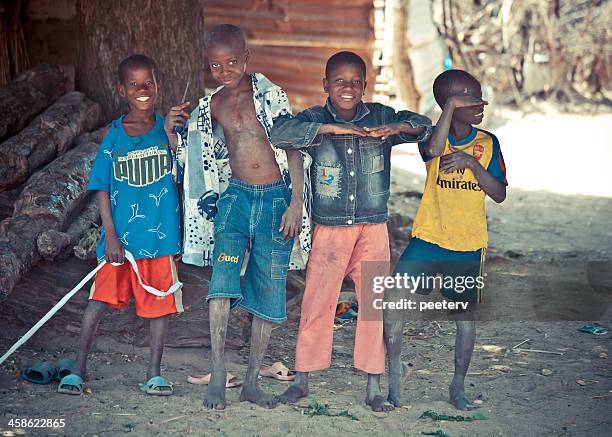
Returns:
(42, 372)
(157, 386)
(65, 368)
(71, 385)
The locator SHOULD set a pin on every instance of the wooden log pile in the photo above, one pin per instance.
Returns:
(49, 199)
(28, 95)
(524, 48)
(55, 244)
(49, 135)
(46, 167)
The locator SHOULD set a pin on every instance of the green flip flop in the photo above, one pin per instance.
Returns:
(157, 386)
(71, 385)
(42, 372)
(64, 368)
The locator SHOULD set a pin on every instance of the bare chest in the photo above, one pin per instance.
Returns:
(236, 114)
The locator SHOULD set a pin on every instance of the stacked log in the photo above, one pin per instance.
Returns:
(28, 95)
(47, 202)
(49, 135)
(54, 244)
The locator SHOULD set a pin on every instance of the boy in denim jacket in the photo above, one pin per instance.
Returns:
(350, 144)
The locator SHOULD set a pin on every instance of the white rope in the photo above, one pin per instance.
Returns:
(176, 286)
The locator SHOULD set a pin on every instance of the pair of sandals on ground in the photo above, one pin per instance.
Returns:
(276, 371)
(44, 372)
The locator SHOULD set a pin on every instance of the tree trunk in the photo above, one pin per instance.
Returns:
(53, 244)
(48, 136)
(46, 202)
(13, 52)
(169, 32)
(28, 95)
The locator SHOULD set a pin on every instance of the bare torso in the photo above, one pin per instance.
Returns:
(250, 155)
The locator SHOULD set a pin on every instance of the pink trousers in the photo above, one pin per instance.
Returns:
(338, 252)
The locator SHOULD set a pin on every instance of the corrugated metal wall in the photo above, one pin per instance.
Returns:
(290, 40)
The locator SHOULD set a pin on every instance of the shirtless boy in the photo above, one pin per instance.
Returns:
(239, 192)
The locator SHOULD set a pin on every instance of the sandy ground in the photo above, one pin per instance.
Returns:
(540, 235)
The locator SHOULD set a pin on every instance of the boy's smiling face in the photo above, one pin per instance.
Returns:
(227, 63)
(345, 85)
(139, 88)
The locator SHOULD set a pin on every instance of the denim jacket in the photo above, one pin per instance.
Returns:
(350, 175)
(203, 168)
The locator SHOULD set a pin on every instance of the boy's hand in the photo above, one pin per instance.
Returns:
(464, 101)
(384, 132)
(456, 161)
(291, 223)
(177, 117)
(114, 251)
(342, 129)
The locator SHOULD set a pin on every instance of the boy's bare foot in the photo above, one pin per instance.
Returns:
(379, 404)
(215, 396)
(255, 395)
(458, 399)
(374, 396)
(293, 393)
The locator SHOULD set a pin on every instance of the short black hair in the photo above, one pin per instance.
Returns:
(444, 82)
(225, 34)
(345, 58)
(135, 61)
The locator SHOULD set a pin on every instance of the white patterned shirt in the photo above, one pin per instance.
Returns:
(203, 166)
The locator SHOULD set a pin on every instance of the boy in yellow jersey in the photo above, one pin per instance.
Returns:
(449, 234)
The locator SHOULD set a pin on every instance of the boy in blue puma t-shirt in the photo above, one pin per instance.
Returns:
(133, 184)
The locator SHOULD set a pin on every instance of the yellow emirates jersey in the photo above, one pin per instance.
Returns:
(452, 210)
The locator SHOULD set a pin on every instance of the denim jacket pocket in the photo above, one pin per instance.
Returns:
(374, 165)
(372, 156)
(224, 206)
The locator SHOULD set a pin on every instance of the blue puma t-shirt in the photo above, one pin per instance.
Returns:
(136, 172)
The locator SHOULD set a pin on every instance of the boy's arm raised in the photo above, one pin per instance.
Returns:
(113, 252)
(437, 142)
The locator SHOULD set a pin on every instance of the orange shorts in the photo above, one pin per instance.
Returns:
(114, 285)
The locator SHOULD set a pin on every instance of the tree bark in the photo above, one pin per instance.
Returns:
(14, 57)
(53, 244)
(49, 135)
(28, 95)
(86, 247)
(47, 201)
(171, 33)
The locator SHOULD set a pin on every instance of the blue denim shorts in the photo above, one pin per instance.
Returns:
(250, 215)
